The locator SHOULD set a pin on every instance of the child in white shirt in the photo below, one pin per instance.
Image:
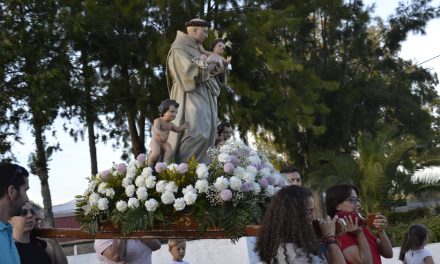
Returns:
(177, 248)
(413, 248)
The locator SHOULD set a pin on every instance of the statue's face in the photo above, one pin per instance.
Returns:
(200, 34)
(219, 48)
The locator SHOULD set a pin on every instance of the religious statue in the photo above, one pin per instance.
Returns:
(193, 85)
(218, 63)
(161, 130)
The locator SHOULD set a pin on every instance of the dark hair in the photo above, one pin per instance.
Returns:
(221, 127)
(289, 169)
(413, 239)
(336, 195)
(215, 42)
(286, 221)
(11, 174)
(166, 104)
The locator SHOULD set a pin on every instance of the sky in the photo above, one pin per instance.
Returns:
(70, 167)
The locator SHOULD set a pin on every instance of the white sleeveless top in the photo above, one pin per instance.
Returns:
(417, 256)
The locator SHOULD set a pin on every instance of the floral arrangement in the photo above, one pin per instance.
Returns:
(230, 193)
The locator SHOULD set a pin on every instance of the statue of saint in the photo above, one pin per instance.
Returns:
(192, 84)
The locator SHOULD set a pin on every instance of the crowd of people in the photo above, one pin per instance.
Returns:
(291, 230)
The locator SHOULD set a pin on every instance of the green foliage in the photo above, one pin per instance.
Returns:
(407, 217)
(397, 232)
(182, 180)
(234, 219)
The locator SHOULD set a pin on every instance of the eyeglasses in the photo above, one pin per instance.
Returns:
(25, 212)
(353, 200)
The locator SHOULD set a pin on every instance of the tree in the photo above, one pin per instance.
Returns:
(37, 77)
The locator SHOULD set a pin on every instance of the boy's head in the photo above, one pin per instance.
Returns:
(219, 44)
(177, 248)
(292, 175)
(165, 106)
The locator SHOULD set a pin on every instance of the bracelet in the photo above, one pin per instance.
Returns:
(331, 241)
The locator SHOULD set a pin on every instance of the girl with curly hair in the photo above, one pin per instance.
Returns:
(287, 234)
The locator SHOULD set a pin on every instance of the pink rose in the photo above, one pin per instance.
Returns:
(233, 159)
(182, 168)
(263, 182)
(105, 175)
(141, 158)
(247, 187)
(160, 167)
(121, 168)
(229, 167)
(271, 180)
(257, 165)
(226, 195)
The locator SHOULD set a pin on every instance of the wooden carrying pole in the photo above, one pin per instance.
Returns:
(251, 230)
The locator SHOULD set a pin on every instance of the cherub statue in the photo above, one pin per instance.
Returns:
(219, 65)
(215, 53)
(161, 129)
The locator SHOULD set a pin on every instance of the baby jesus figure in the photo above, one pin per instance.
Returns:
(161, 129)
(215, 56)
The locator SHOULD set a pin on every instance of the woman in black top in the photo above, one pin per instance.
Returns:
(33, 250)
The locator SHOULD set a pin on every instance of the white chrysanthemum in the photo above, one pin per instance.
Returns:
(102, 188)
(140, 181)
(147, 171)
(251, 169)
(167, 197)
(235, 183)
(270, 191)
(171, 187)
(172, 167)
(265, 172)
(188, 188)
(126, 182)
(121, 206)
(131, 172)
(248, 177)
(202, 186)
(221, 183)
(150, 182)
(226, 148)
(133, 202)
(151, 205)
(86, 208)
(110, 193)
(141, 193)
(239, 172)
(91, 186)
(190, 198)
(277, 189)
(93, 199)
(160, 186)
(129, 190)
(202, 171)
(254, 159)
(103, 204)
(224, 157)
(257, 188)
(268, 165)
(179, 204)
